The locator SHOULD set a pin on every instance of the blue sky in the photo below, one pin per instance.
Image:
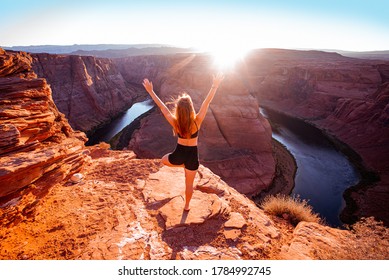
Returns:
(349, 25)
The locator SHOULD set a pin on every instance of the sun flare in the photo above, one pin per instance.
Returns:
(226, 56)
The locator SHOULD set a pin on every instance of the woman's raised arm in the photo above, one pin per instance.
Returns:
(165, 111)
(204, 107)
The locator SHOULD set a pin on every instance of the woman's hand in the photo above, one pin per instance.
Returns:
(165, 111)
(217, 79)
(148, 85)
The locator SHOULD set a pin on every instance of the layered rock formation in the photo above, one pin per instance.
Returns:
(89, 91)
(348, 98)
(235, 140)
(37, 145)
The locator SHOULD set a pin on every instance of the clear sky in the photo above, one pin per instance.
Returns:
(207, 24)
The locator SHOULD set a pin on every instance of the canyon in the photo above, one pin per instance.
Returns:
(345, 97)
(121, 206)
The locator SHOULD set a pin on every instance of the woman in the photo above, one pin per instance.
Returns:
(186, 124)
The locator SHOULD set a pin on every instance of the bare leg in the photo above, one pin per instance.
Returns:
(165, 161)
(189, 179)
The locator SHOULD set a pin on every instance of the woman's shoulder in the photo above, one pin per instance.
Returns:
(198, 120)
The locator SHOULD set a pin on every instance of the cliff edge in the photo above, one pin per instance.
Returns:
(129, 208)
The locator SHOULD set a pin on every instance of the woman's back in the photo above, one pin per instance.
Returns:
(192, 141)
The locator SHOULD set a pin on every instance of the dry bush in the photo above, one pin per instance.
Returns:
(292, 208)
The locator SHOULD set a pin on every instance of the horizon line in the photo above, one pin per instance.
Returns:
(190, 47)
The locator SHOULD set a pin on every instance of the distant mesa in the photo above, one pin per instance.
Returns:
(104, 50)
(123, 50)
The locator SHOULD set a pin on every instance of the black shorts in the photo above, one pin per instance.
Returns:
(186, 155)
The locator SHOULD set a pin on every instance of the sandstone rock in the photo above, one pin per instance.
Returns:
(312, 240)
(77, 177)
(167, 188)
(232, 233)
(36, 143)
(164, 185)
(14, 63)
(210, 253)
(236, 221)
(9, 135)
(208, 183)
(203, 207)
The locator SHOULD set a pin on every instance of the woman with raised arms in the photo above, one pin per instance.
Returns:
(186, 124)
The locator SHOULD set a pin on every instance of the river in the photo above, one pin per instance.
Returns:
(323, 173)
(107, 132)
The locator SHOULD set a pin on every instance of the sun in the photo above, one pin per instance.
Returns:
(226, 56)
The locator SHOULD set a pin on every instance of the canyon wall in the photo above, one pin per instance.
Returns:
(347, 98)
(37, 145)
(89, 91)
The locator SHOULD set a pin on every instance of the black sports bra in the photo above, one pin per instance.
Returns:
(194, 135)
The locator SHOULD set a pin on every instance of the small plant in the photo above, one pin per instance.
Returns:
(290, 208)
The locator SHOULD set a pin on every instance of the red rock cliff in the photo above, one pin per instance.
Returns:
(348, 98)
(89, 91)
(37, 145)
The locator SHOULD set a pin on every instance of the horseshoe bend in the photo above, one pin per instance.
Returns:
(128, 206)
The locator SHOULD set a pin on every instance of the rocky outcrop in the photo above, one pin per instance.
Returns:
(348, 98)
(126, 208)
(235, 140)
(89, 91)
(37, 145)
(313, 241)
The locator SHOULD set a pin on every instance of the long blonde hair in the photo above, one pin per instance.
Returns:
(185, 115)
